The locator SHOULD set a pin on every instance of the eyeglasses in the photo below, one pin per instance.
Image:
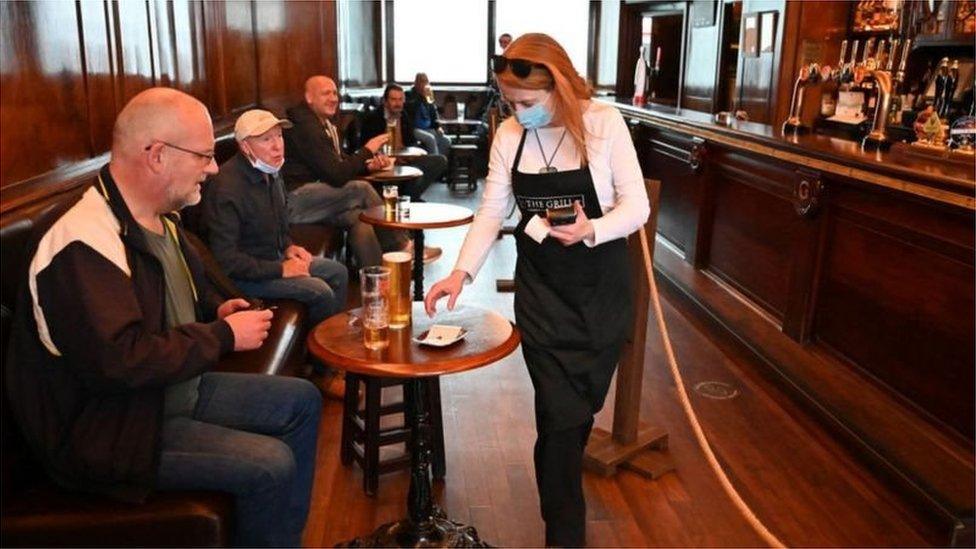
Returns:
(519, 67)
(208, 156)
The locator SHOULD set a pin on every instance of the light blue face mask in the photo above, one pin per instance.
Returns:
(265, 167)
(535, 116)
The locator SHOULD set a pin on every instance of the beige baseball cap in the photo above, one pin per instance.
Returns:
(257, 121)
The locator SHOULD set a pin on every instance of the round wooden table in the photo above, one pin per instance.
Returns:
(408, 153)
(397, 174)
(423, 215)
(338, 341)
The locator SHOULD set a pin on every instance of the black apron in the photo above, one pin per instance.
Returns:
(573, 304)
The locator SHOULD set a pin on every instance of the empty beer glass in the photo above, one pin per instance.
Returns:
(399, 264)
(460, 110)
(375, 283)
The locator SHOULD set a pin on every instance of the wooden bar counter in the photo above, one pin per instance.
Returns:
(849, 273)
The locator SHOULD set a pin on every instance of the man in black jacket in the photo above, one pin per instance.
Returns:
(324, 184)
(117, 328)
(247, 225)
(392, 114)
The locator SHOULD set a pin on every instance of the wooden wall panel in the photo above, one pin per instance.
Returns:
(68, 67)
(134, 48)
(897, 299)
(100, 64)
(753, 229)
(43, 105)
(281, 29)
(237, 59)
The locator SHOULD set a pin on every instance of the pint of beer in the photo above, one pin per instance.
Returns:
(375, 282)
(399, 264)
(390, 196)
(391, 133)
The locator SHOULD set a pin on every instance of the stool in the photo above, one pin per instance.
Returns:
(462, 166)
(362, 436)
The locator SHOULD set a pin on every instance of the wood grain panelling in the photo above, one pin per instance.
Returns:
(67, 68)
(134, 48)
(753, 229)
(235, 55)
(282, 28)
(43, 106)
(100, 66)
(664, 156)
(898, 300)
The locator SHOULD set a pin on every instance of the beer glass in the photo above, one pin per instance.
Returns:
(391, 144)
(403, 207)
(375, 284)
(399, 264)
(460, 111)
(390, 196)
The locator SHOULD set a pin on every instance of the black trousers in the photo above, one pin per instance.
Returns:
(570, 387)
(559, 478)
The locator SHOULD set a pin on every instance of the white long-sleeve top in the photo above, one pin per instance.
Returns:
(613, 165)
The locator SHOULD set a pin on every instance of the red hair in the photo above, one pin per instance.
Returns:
(556, 74)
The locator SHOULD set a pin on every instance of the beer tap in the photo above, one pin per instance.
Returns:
(877, 139)
(809, 74)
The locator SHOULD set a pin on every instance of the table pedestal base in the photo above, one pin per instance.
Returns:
(436, 531)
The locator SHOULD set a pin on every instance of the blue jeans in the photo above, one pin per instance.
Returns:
(255, 437)
(433, 141)
(340, 207)
(323, 293)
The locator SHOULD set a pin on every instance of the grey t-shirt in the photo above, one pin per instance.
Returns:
(181, 397)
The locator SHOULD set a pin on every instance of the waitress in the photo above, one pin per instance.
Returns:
(572, 285)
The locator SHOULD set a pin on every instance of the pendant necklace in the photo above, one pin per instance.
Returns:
(548, 168)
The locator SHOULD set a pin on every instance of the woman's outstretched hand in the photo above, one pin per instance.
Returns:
(450, 286)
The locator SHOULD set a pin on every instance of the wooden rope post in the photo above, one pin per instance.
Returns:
(633, 444)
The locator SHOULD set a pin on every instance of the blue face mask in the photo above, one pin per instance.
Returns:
(263, 166)
(535, 116)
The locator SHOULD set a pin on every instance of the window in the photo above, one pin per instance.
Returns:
(447, 39)
(567, 21)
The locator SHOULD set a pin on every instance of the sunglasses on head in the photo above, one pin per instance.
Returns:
(519, 67)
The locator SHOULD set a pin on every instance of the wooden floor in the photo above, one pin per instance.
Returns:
(808, 490)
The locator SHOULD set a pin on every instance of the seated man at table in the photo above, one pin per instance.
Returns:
(422, 110)
(245, 212)
(392, 112)
(116, 332)
(325, 185)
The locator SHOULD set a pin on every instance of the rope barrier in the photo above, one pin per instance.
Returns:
(706, 448)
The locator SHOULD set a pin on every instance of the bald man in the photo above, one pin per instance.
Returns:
(117, 329)
(324, 184)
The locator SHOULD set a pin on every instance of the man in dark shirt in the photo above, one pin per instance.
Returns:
(392, 114)
(324, 184)
(246, 216)
(116, 331)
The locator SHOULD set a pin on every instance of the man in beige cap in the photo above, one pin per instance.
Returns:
(246, 216)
